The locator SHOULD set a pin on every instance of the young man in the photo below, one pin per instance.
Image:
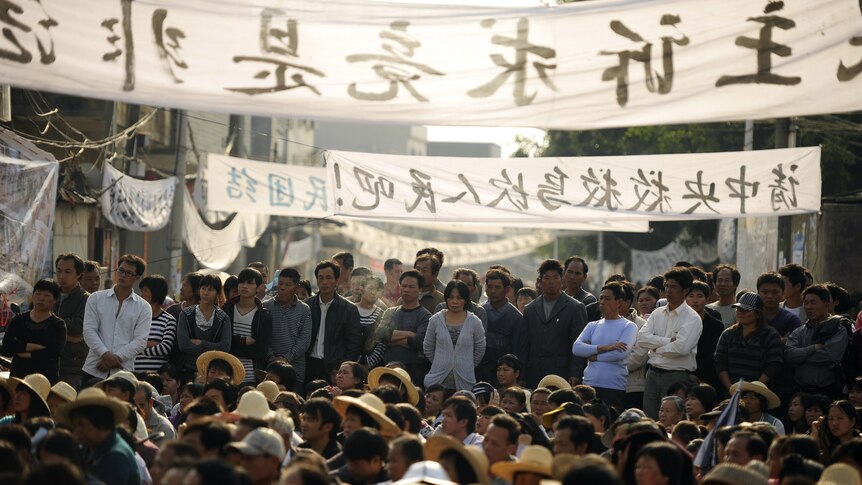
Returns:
(429, 267)
(366, 453)
(116, 323)
(291, 326)
(336, 335)
(503, 322)
(726, 281)
(392, 269)
(251, 324)
(501, 440)
(573, 435)
(459, 420)
(817, 346)
(320, 425)
(606, 345)
(708, 341)
(671, 335)
(795, 282)
(402, 328)
(551, 323)
(770, 287)
(71, 305)
(262, 452)
(163, 329)
(575, 276)
(90, 279)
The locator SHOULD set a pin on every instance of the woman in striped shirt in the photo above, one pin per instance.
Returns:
(163, 329)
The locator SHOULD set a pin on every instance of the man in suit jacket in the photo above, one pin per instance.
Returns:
(551, 325)
(336, 334)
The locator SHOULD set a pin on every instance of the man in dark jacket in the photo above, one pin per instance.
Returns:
(70, 307)
(551, 324)
(336, 334)
(251, 324)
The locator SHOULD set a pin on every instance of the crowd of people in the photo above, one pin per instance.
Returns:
(481, 379)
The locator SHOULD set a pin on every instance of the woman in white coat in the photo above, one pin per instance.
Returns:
(455, 342)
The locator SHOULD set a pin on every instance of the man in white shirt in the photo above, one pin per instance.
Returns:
(116, 323)
(671, 335)
(459, 420)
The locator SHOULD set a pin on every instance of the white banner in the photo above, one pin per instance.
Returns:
(267, 188)
(536, 190)
(28, 192)
(603, 63)
(646, 264)
(136, 205)
(218, 248)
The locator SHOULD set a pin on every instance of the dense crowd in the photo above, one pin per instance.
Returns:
(483, 379)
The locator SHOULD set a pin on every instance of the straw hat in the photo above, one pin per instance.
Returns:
(840, 474)
(552, 380)
(474, 455)
(372, 405)
(93, 396)
(772, 400)
(37, 384)
(64, 391)
(732, 474)
(429, 472)
(400, 374)
(6, 386)
(269, 389)
(254, 404)
(207, 357)
(534, 458)
(548, 418)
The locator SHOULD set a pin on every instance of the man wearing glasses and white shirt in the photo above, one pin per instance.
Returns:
(116, 323)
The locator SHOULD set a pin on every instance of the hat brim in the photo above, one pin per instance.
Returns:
(548, 418)
(740, 306)
(554, 381)
(119, 409)
(436, 445)
(206, 358)
(246, 449)
(772, 399)
(388, 428)
(14, 382)
(507, 469)
(61, 396)
(378, 372)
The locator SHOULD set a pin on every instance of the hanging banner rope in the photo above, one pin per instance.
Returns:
(586, 65)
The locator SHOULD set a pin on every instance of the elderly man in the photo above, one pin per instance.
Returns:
(145, 399)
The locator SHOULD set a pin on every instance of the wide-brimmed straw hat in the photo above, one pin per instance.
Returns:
(535, 459)
(549, 417)
(732, 474)
(840, 474)
(474, 455)
(757, 387)
(64, 391)
(552, 380)
(400, 374)
(269, 389)
(93, 396)
(37, 384)
(253, 404)
(203, 363)
(373, 406)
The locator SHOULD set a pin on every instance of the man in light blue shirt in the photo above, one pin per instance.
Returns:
(606, 345)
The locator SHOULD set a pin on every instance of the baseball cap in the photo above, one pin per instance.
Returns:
(748, 302)
(483, 389)
(261, 441)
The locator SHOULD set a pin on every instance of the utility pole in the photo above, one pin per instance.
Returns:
(177, 216)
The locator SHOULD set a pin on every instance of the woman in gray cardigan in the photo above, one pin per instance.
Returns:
(455, 342)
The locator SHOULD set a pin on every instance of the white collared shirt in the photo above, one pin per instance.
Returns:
(125, 334)
(317, 350)
(682, 324)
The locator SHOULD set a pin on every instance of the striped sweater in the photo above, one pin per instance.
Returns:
(163, 330)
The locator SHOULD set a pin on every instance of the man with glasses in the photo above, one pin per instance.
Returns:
(671, 335)
(116, 323)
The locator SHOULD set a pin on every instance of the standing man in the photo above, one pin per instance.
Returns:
(606, 344)
(576, 275)
(251, 324)
(336, 334)
(726, 281)
(818, 346)
(503, 322)
(291, 325)
(770, 288)
(116, 323)
(344, 261)
(402, 328)
(90, 279)
(429, 267)
(708, 341)
(671, 335)
(392, 269)
(795, 282)
(70, 307)
(439, 255)
(551, 324)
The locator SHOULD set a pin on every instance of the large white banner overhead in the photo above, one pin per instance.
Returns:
(602, 63)
(536, 190)
(136, 205)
